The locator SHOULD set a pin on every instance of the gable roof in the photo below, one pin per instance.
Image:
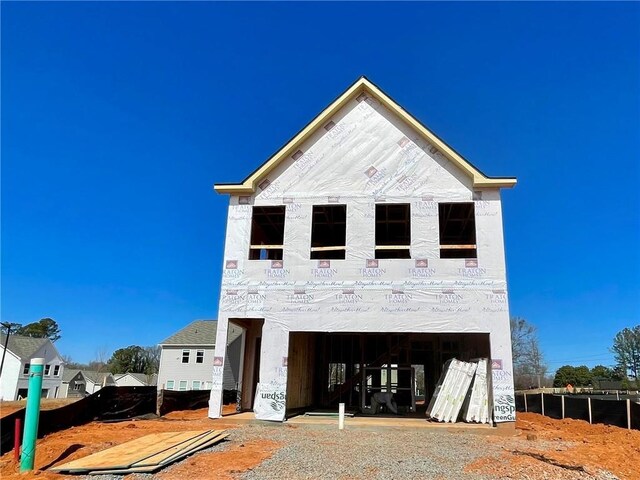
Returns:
(141, 377)
(68, 374)
(363, 85)
(23, 347)
(198, 332)
(97, 377)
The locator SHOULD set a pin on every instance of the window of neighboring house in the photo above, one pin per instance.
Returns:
(208, 385)
(25, 371)
(267, 233)
(183, 385)
(185, 356)
(199, 356)
(56, 370)
(76, 386)
(170, 384)
(457, 223)
(195, 385)
(393, 230)
(47, 369)
(329, 232)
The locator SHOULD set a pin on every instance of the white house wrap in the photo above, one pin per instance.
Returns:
(364, 150)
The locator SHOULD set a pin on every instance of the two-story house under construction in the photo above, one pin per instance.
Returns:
(358, 259)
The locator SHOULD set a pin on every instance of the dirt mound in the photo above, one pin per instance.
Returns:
(559, 449)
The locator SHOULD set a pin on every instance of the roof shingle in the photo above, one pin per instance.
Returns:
(199, 332)
(24, 347)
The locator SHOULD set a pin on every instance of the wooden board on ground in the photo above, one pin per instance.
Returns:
(200, 444)
(126, 454)
(176, 450)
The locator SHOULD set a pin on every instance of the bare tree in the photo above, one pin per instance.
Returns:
(529, 367)
(626, 348)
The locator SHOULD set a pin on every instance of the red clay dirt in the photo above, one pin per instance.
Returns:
(7, 408)
(540, 443)
(573, 444)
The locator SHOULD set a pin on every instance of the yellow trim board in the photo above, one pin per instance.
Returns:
(248, 186)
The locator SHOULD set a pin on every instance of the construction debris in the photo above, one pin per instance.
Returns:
(476, 409)
(452, 392)
(144, 455)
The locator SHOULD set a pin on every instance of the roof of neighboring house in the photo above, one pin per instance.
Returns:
(68, 374)
(199, 332)
(363, 85)
(141, 377)
(23, 347)
(96, 377)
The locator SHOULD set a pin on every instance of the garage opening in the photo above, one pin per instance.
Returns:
(325, 369)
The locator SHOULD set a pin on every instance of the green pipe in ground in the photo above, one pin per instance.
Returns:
(32, 415)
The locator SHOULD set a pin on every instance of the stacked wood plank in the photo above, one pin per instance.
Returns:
(144, 455)
(476, 409)
(453, 392)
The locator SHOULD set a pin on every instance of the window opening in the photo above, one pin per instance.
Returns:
(170, 384)
(56, 370)
(329, 232)
(185, 356)
(267, 233)
(457, 230)
(183, 385)
(196, 385)
(26, 369)
(393, 230)
(47, 369)
(200, 356)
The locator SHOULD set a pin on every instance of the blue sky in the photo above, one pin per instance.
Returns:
(117, 118)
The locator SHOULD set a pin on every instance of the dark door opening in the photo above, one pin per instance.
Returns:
(250, 360)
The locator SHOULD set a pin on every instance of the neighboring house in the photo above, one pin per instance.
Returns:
(135, 379)
(187, 358)
(80, 383)
(73, 384)
(14, 381)
(364, 251)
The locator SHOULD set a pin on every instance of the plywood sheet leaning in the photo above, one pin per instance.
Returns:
(477, 409)
(451, 390)
(148, 452)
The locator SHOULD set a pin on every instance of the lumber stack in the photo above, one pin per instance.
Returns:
(454, 392)
(144, 455)
(476, 409)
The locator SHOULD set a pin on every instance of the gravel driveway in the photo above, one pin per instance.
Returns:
(382, 453)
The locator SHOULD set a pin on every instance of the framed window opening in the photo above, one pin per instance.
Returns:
(457, 222)
(393, 230)
(56, 370)
(25, 370)
(267, 233)
(185, 356)
(195, 385)
(170, 384)
(199, 356)
(183, 385)
(47, 369)
(329, 232)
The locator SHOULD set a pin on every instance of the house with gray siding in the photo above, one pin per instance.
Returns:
(80, 383)
(187, 358)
